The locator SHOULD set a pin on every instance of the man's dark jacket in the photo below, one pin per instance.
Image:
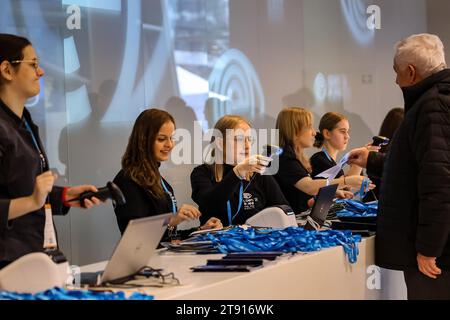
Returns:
(414, 214)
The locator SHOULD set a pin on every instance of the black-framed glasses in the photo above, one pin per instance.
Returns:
(33, 63)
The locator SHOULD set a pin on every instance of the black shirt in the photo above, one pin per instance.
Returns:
(140, 203)
(320, 162)
(20, 163)
(212, 197)
(289, 173)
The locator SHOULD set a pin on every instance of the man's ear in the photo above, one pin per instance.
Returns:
(412, 74)
(6, 71)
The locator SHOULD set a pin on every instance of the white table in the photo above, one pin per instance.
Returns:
(326, 274)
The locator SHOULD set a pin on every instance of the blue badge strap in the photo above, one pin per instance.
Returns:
(328, 156)
(241, 199)
(353, 208)
(364, 186)
(62, 294)
(36, 145)
(172, 197)
(292, 239)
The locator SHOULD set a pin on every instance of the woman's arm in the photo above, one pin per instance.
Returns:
(22, 206)
(354, 170)
(311, 187)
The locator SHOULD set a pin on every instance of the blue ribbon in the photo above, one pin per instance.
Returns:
(172, 197)
(241, 199)
(62, 294)
(292, 239)
(353, 208)
(364, 188)
(36, 145)
(328, 156)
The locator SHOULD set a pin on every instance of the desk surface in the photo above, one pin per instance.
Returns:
(326, 274)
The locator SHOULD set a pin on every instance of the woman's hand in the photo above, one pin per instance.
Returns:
(186, 212)
(250, 165)
(212, 223)
(344, 194)
(357, 181)
(75, 192)
(42, 187)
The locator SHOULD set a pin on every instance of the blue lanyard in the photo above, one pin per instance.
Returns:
(292, 239)
(36, 145)
(364, 186)
(172, 197)
(241, 199)
(328, 156)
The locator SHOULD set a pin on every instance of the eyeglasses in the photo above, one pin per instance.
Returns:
(243, 139)
(33, 63)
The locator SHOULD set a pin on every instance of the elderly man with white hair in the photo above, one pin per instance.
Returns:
(413, 227)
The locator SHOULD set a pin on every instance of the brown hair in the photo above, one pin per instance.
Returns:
(222, 125)
(290, 122)
(329, 122)
(391, 123)
(139, 162)
(11, 49)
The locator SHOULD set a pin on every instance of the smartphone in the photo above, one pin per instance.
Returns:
(379, 141)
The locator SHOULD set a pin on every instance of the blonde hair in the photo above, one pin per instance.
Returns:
(222, 125)
(424, 51)
(290, 122)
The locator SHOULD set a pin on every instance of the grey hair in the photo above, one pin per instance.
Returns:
(424, 51)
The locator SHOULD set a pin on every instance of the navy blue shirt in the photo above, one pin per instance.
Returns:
(212, 196)
(20, 163)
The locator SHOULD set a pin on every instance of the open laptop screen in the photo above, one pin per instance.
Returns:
(134, 250)
(323, 203)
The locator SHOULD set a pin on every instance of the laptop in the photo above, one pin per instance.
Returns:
(322, 204)
(133, 252)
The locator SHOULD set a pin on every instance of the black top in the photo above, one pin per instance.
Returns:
(414, 207)
(140, 203)
(320, 162)
(290, 172)
(19, 165)
(212, 197)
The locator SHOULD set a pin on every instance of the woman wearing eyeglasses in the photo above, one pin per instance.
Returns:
(24, 168)
(232, 187)
(146, 192)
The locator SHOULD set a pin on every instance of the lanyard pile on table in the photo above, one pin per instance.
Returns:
(353, 208)
(62, 294)
(291, 239)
